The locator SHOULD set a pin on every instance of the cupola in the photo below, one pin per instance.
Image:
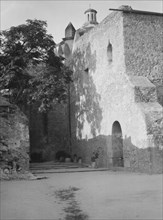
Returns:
(91, 16)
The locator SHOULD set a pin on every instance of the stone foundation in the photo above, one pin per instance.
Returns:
(149, 160)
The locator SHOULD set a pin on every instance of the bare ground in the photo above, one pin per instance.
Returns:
(84, 195)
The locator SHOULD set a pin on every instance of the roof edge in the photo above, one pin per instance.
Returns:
(90, 10)
(137, 12)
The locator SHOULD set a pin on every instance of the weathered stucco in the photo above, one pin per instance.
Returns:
(106, 91)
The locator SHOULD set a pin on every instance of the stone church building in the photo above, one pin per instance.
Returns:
(115, 106)
(117, 93)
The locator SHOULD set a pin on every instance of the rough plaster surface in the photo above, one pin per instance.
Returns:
(109, 91)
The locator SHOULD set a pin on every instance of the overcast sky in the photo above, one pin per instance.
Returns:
(59, 13)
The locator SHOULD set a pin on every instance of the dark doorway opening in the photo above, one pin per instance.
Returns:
(117, 145)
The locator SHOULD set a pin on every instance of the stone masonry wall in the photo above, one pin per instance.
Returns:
(104, 93)
(14, 137)
(143, 46)
(143, 43)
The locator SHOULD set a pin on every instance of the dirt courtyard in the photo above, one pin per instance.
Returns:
(96, 195)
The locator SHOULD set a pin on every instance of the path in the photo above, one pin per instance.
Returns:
(101, 195)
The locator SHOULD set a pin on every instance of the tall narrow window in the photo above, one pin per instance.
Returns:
(110, 53)
(86, 71)
(88, 17)
(86, 77)
(92, 16)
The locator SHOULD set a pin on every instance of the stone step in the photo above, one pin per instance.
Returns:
(67, 167)
(85, 169)
(53, 165)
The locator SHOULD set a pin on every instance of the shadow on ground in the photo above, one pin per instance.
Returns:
(73, 211)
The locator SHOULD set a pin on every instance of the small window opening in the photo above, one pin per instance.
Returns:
(92, 16)
(110, 53)
(88, 17)
(86, 77)
(86, 70)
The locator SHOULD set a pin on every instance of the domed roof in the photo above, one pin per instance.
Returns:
(90, 10)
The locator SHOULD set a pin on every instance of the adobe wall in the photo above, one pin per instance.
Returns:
(104, 94)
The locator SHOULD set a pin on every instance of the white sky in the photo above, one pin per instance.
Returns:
(59, 13)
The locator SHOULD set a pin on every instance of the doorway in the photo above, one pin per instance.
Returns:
(117, 145)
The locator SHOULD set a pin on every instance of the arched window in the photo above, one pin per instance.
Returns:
(86, 76)
(88, 17)
(92, 16)
(86, 71)
(110, 53)
(117, 145)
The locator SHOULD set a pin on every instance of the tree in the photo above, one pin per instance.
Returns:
(30, 70)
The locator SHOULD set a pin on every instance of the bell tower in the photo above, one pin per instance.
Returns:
(91, 16)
